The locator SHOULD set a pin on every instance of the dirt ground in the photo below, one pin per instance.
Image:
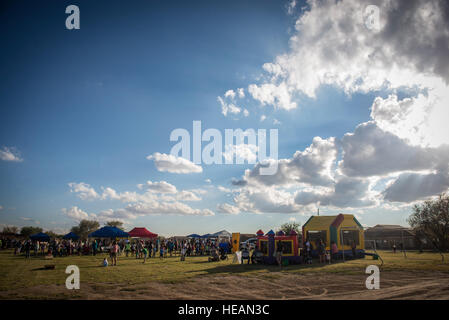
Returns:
(276, 285)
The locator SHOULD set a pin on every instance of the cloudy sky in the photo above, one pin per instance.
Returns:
(86, 115)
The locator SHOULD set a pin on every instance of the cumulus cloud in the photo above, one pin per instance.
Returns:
(228, 208)
(242, 152)
(84, 191)
(406, 139)
(346, 193)
(166, 208)
(228, 107)
(169, 163)
(277, 95)
(409, 187)
(370, 151)
(311, 166)
(228, 104)
(10, 154)
(159, 187)
(158, 197)
(75, 213)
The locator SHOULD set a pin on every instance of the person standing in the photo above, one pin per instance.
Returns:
(279, 250)
(145, 254)
(94, 247)
(322, 251)
(113, 254)
(27, 249)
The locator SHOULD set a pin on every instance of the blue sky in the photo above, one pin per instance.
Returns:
(88, 106)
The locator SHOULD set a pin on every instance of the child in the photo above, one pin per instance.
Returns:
(183, 254)
(145, 253)
(105, 262)
(161, 253)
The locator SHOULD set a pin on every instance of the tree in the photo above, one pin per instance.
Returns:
(289, 226)
(11, 229)
(431, 219)
(28, 231)
(115, 223)
(53, 234)
(85, 227)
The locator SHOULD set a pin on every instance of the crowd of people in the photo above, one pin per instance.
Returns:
(138, 248)
(161, 248)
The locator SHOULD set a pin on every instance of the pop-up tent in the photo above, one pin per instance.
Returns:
(71, 236)
(223, 234)
(142, 233)
(193, 235)
(205, 236)
(109, 232)
(40, 237)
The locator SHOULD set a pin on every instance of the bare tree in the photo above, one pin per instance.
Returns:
(11, 229)
(431, 219)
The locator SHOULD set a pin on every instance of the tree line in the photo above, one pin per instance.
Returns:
(82, 229)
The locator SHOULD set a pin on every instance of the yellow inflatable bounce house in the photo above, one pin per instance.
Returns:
(343, 229)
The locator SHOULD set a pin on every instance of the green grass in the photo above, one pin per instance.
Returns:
(18, 272)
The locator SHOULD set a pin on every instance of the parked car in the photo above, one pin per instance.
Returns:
(249, 244)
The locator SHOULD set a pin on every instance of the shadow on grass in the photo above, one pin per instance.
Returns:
(254, 268)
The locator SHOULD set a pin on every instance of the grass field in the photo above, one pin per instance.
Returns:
(21, 273)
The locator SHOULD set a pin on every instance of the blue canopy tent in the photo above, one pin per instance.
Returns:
(71, 236)
(109, 232)
(40, 237)
(193, 235)
(205, 236)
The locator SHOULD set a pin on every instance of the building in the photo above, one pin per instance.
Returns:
(386, 235)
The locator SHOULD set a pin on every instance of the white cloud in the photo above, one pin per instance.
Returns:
(262, 118)
(75, 213)
(409, 187)
(278, 96)
(169, 163)
(84, 191)
(291, 6)
(10, 154)
(311, 166)
(241, 92)
(159, 187)
(246, 152)
(30, 219)
(223, 189)
(165, 208)
(228, 208)
(332, 45)
(228, 107)
(230, 94)
(157, 198)
(370, 151)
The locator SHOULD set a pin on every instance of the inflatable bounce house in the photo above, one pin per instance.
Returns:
(343, 229)
(269, 242)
